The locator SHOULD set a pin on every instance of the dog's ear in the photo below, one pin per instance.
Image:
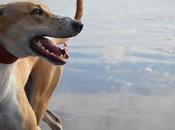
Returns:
(1, 10)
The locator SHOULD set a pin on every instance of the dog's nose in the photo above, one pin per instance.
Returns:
(78, 26)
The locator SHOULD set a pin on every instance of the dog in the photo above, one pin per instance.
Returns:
(24, 31)
(40, 92)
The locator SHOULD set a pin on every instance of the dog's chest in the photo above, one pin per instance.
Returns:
(10, 118)
(8, 84)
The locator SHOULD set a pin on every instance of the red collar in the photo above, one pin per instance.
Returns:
(6, 57)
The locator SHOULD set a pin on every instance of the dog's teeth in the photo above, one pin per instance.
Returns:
(39, 44)
(64, 56)
(43, 47)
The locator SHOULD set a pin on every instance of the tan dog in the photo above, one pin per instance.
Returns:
(23, 27)
(41, 79)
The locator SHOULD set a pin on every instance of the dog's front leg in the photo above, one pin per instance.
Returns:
(44, 78)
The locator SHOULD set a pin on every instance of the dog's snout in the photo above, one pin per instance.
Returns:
(69, 26)
(77, 26)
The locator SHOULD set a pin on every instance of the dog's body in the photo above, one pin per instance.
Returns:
(9, 107)
(42, 77)
(15, 111)
(23, 26)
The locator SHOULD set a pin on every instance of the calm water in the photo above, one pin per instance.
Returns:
(121, 75)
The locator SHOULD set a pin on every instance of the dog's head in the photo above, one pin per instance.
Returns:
(25, 26)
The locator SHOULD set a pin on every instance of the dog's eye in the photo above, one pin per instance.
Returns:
(37, 12)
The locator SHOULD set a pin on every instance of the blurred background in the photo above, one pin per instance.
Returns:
(121, 75)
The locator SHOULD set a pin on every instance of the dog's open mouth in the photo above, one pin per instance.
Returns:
(49, 50)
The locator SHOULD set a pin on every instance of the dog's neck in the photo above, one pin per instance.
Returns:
(6, 57)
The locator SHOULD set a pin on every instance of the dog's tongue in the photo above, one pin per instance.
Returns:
(59, 51)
